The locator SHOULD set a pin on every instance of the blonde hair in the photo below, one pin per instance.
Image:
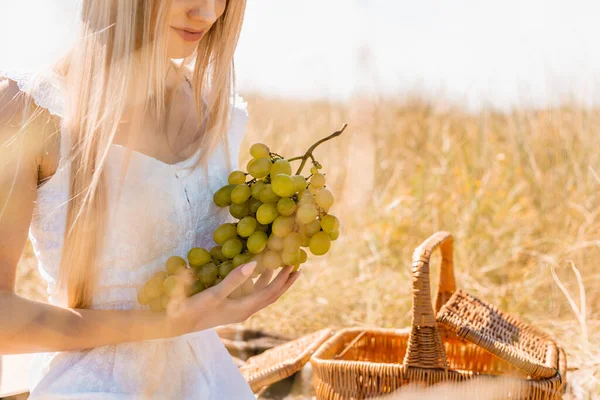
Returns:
(120, 41)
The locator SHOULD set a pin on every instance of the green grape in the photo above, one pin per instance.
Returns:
(253, 205)
(320, 243)
(268, 196)
(283, 185)
(324, 199)
(282, 226)
(300, 182)
(302, 229)
(303, 256)
(195, 288)
(153, 287)
(305, 240)
(260, 265)
(305, 198)
(246, 226)
(313, 228)
(222, 197)
(143, 297)
(281, 166)
(232, 247)
(272, 259)
(217, 253)
(334, 235)
(291, 258)
(156, 305)
(330, 223)
(275, 243)
(313, 189)
(260, 167)
(162, 275)
(259, 150)
(198, 256)
(318, 180)
(257, 242)
(164, 301)
(256, 189)
(262, 228)
(286, 206)
(236, 178)
(169, 285)
(219, 280)
(225, 268)
(239, 211)
(267, 213)
(224, 232)
(242, 259)
(240, 194)
(207, 273)
(314, 170)
(292, 242)
(306, 213)
(176, 264)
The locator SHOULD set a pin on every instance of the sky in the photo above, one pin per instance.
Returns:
(476, 52)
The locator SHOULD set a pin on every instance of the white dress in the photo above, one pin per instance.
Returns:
(163, 210)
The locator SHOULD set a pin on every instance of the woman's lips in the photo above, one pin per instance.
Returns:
(189, 36)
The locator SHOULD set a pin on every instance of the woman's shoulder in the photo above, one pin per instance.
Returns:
(17, 104)
(20, 114)
(239, 111)
(13, 102)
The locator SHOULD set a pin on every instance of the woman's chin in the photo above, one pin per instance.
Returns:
(180, 53)
(178, 49)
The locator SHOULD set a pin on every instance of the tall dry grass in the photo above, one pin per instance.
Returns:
(520, 191)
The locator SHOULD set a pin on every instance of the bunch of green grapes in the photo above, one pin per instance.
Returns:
(277, 216)
(203, 269)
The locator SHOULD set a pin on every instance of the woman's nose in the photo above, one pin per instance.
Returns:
(205, 12)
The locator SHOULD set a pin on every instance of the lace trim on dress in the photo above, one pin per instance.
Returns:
(45, 88)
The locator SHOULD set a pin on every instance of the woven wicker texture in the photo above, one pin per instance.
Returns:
(362, 363)
(503, 335)
(282, 361)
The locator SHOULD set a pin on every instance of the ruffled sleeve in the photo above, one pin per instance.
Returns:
(237, 129)
(44, 88)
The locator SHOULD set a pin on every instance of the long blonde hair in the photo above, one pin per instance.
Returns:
(120, 41)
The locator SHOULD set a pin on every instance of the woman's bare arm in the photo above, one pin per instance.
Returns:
(28, 326)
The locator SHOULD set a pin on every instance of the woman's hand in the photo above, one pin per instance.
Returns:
(213, 307)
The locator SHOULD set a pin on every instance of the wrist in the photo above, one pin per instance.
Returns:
(177, 321)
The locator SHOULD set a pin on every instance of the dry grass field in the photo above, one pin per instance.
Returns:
(520, 191)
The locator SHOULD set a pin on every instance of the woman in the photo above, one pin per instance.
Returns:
(110, 163)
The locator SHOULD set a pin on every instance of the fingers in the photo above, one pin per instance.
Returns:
(293, 277)
(270, 292)
(234, 280)
(282, 289)
(264, 280)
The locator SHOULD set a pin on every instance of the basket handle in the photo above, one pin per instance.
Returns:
(425, 348)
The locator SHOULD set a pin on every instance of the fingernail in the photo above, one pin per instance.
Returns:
(248, 268)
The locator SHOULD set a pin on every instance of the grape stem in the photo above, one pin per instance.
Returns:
(310, 150)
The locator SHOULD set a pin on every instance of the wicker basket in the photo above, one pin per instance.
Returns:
(282, 361)
(361, 363)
